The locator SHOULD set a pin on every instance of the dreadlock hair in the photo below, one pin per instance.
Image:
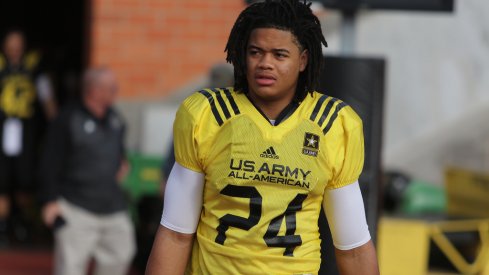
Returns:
(289, 15)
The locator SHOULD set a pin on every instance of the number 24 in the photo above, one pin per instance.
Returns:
(290, 241)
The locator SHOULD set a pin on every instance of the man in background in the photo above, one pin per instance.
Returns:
(81, 169)
(26, 101)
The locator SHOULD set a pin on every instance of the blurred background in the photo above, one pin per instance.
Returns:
(416, 71)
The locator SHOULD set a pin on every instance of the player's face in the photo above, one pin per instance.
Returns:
(274, 61)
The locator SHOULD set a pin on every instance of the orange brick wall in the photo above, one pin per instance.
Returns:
(157, 46)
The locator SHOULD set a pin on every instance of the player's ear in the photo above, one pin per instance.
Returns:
(304, 58)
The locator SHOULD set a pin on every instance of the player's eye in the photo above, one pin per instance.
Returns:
(281, 55)
(253, 52)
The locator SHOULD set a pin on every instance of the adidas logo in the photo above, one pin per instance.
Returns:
(269, 153)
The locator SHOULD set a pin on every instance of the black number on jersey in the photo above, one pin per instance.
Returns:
(289, 241)
(235, 221)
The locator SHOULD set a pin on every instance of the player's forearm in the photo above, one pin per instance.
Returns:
(170, 252)
(360, 260)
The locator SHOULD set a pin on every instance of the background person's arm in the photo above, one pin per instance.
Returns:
(52, 164)
(46, 95)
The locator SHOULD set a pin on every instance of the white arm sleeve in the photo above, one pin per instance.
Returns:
(44, 88)
(346, 216)
(183, 200)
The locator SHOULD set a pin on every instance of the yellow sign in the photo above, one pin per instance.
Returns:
(403, 247)
(467, 193)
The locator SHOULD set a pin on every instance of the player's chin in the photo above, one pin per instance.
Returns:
(267, 93)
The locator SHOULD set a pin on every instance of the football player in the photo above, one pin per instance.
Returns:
(256, 162)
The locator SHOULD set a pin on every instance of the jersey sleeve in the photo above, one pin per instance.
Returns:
(349, 155)
(185, 142)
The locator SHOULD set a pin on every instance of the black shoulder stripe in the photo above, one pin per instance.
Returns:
(213, 106)
(334, 116)
(317, 107)
(231, 100)
(326, 111)
(222, 103)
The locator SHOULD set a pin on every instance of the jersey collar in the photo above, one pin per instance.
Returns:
(284, 114)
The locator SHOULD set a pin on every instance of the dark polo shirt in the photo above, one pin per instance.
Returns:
(81, 159)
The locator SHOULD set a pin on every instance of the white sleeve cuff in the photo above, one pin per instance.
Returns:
(353, 245)
(175, 228)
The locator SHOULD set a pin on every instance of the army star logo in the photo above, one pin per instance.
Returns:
(311, 144)
(311, 141)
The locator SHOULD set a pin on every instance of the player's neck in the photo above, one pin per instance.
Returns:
(270, 108)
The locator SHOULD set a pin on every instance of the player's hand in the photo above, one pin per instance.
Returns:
(50, 212)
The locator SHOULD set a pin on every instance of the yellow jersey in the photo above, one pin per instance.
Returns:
(264, 183)
(18, 93)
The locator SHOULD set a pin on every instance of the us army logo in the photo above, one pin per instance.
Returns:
(311, 145)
